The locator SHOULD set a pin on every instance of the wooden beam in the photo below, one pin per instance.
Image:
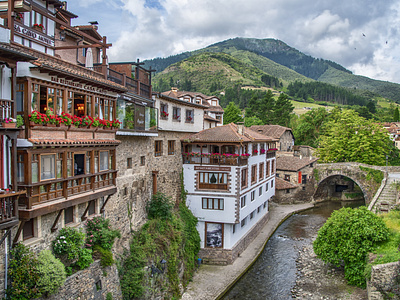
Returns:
(104, 204)
(81, 46)
(83, 218)
(54, 227)
(18, 232)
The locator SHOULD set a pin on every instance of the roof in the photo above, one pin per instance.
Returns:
(293, 163)
(227, 133)
(275, 131)
(281, 184)
(90, 29)
(208, 118)
(61, 142)
(14, 54)
(176, 100)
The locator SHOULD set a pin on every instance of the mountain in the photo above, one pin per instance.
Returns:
(271, 57)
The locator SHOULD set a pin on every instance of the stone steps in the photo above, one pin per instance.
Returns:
(387, 198)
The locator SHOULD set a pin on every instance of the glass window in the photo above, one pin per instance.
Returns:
(213, 203)
(213, 180)
(103, 160)
(92, 208)
(69, 215)
(244, 178)
(253, 195)
(176, 113)
(243, 201)
(253, 174)
(158, 148)
(20, 97)
(171, 147)
(47, 166)
(189, 116)
(20, 168)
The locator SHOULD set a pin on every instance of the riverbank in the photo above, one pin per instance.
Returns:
(210, 282)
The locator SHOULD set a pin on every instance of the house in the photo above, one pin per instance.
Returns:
(284, 134)
(213, 114)
(294, 182)
(229, 174)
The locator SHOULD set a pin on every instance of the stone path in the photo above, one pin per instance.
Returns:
(209, 282)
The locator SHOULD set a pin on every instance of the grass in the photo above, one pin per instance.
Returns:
(299, 107)
(384, 103)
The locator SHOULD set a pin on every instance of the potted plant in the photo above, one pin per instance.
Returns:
(115, 124)
(19, 17)
(87, 121)
(9, 123)
(20, 121)
(38, 27)
(66, 119)
(37, 118)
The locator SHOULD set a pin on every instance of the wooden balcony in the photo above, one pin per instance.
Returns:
(5, 108)
(131, 84)
(9, 209)
(46, 197)
(215, 160)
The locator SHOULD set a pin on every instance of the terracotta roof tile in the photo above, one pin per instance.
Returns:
(281, 184)
(228, 133)
(293, 163)
(61, 142)
(207, 117)
(275, 131)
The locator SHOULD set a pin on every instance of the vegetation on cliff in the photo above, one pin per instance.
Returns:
(162, 254)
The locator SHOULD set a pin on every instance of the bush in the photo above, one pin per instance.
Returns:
(347, 237)
(99, 232)
(23, 273)
(52, 273)
(106, 256)
(84, 258)
(159, 206)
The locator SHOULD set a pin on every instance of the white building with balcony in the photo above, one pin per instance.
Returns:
(229, 174)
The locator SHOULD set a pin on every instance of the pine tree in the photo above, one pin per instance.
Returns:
(232, 114)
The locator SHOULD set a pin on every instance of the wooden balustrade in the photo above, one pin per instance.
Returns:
(5, 108)
(9, 208)
(215, 160)
(43, 192)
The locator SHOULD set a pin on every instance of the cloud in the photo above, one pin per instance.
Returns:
(324, 29)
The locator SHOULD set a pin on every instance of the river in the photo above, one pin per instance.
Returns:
(274, 274)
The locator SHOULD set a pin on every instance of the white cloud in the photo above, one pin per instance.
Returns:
(324, 29)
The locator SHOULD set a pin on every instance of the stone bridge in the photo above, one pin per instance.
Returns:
(367, 177)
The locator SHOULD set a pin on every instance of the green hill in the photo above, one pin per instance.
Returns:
(272, 57)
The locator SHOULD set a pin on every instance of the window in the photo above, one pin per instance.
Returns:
(253, 174)
(253, 195)
(243, 177)
(171, 147)
(287, 177)
(243, 222)
(79, 164)
(255, 149)
(252, 214)
(268, 170)
(303, 188)
(176, 114)
(20, 97)
(129, 163)
(189, 116)
(259, 208)
(234, 228)
(266, 187)
(28, 231)
(92, 208)
(287, 191)
(214, 235)
(142, 160)
(47, 167)
(260, 191)
(20, 167)
(272, 183)
(265, 204)
(261, 171)
(164, 111)
(262, 148)
(103, 161)
(213, 203)
(272, 167)
(68, 215)
(212, 180)
(303, 179)
(158, 148)
(243, 201)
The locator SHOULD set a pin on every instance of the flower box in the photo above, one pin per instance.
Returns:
(8, 125)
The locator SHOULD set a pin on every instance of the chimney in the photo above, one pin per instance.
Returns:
(64, 5)
(240, 126)
(174, 89)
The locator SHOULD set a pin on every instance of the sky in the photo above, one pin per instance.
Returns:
(361, 35)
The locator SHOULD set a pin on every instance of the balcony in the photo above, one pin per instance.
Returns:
(82, 187)
(9, 209)
(136, 118)
(213, 159)
(131, 84)
(5, 108)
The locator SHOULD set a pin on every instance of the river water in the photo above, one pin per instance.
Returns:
(274, 273)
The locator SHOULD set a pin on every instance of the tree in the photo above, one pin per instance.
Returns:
(351, 138)
(232, 114)
(396, 116)
(250, 121)
(347, 237)
(282, 110)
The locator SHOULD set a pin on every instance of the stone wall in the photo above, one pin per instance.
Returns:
(381, 275)
(92, 283)
(228, 256)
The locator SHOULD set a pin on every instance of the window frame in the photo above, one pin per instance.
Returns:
(243, 201)
(100, 160)
(158, 145)
(205, 203)
(205, 184)
(253, 174)
(171, 147)
(253, 195)
(54, 166)
(176, 113)
(244, 178)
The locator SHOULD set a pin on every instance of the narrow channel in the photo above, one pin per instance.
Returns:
(274, 273)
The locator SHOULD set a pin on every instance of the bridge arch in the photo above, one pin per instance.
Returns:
(367, 177)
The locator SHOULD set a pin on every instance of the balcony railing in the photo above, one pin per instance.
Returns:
(131, 84)
(9, 208)
(215, 160)
(5, 108)
(41, 192)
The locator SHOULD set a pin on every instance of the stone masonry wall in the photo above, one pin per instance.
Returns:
(382, 275)
(92, 283)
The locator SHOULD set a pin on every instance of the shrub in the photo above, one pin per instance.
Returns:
(68, 243)
(52, 273)
(23, 273)
(20, 121)
(99, 232)
(109, 296)
(347, 237)
(106, 256)
(84, 258)
(159, 206)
